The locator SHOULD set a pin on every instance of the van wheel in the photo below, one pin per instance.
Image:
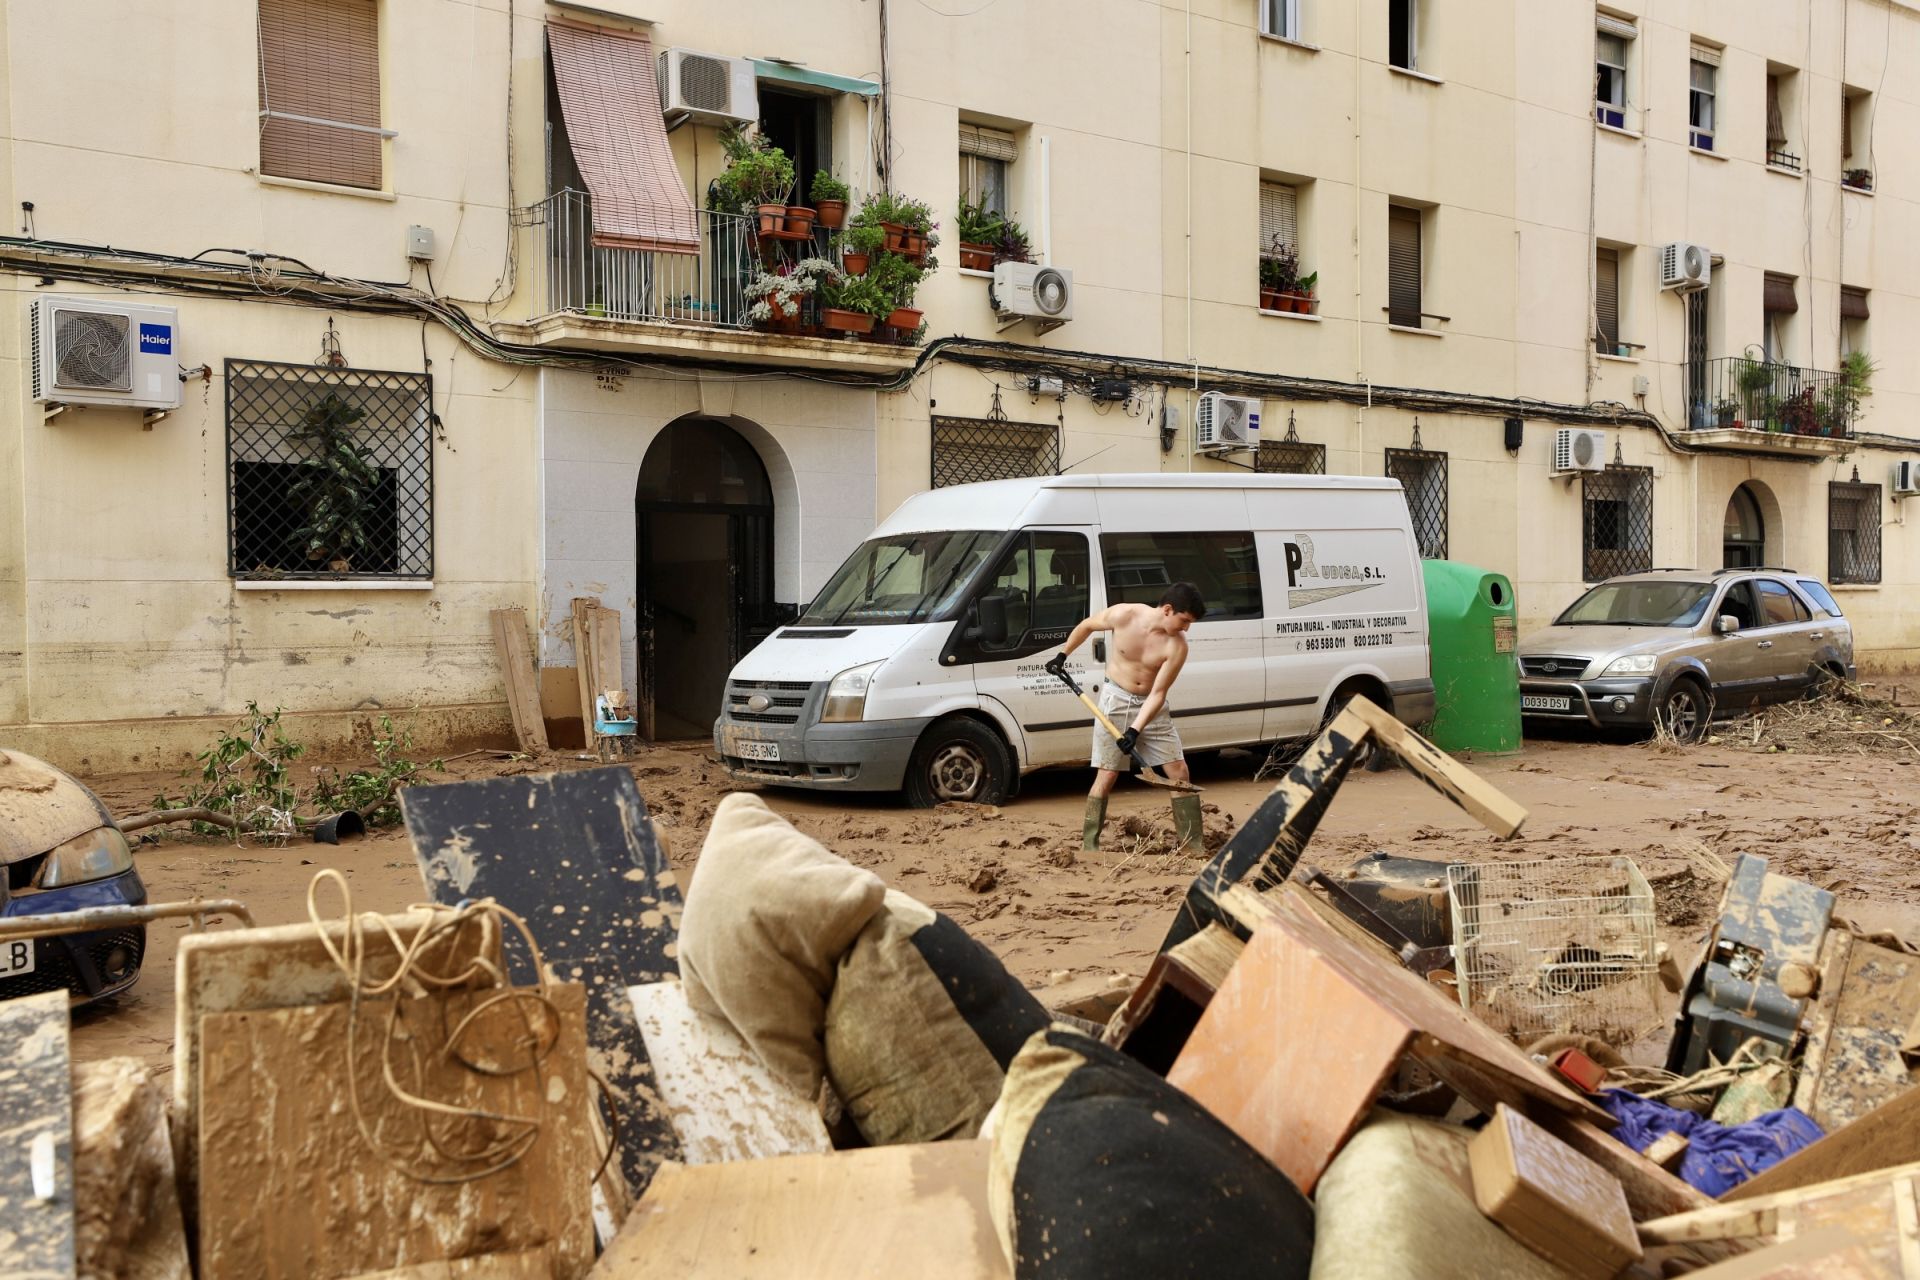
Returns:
(959, 759)
(1685, 710)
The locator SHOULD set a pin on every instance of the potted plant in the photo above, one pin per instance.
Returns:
(979, 229)
(851, 304)
(1726, 412)
(897, 278)
(758, 177)
(1279, 276)
(334, 490)
(776, 297)
(1302, 296)
(1011, 245)
(858, 247)
(908, 223)
(1854, 383)
(829, 199)
(1858, 179)
(1755, 379)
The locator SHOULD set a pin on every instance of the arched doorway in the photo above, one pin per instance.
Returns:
(1744, 543)
(704, 514)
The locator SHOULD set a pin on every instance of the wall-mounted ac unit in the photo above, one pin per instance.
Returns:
(1685, 266)
(1576, 449)
(1906, 478)
(1222, 422)
(92, 351)
(1026, 290)
(707, 88)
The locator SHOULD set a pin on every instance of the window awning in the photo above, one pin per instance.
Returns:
(611, 107)
(786, 72)
(1779, 294)
(1853, 303)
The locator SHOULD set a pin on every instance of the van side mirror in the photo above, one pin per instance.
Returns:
(991, 612)
(1725, 625)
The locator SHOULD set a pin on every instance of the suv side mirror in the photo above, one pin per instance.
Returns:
(990, 614)
(1725, 625)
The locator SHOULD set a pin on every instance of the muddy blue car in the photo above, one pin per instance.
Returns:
(61, 851)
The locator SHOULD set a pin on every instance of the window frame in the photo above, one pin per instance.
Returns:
(1111, 559)
(1778, 99)
(1598, 563)
(1030, 640)
(976, 147)
(1699, 135)
(1865, 499)
(1284, 13)
(1764, 587)
(1405, 213)
(306, 162)
(1612, 111)
(1411, 10)
(1604, 342)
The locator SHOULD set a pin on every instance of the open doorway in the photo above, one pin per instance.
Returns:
(800, 124)
(1744, 542)
(704, 514)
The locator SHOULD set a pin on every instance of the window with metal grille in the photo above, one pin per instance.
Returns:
(1291, 458)
(329, 472)
(1853, 532)
(1280, 18)
(1403, 266)
(1422, 473)
(1703, 79)
(985, 155)
(1780, 101)
(966, 450)
(1616, 521)
(1606, 301)
(319, 77)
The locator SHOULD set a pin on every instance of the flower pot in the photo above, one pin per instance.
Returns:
(854, 264)
(799, 220)
(773, 219)
(976, 257)
(846, 321)
(1739, 424)
(913, 246)
(832, 213)
(896, 233)
(905, 318)
(1295, 304)
(1270, 300)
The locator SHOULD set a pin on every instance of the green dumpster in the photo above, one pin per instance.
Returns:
(1476, 679)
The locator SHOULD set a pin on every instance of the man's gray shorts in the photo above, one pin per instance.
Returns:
(1159, 742)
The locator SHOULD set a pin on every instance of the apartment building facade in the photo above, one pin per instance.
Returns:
(466, 236)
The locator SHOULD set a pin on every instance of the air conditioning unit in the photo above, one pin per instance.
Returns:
(1575, 449)
(92, 351)
(707, 88)
(1906, 478)
(1024, 290)
(1685, 266)
(1222, 422)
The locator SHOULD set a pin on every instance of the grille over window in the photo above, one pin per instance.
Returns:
(1616, 521)
(966, 450)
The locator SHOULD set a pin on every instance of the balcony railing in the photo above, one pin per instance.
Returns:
(572, 274)
(1781, 158)
(1758, 395)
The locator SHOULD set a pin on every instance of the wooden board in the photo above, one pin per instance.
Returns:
(606, 666)
(1879, 1140)
(882, 1213)
(279, 1143)
(582, 608)
(722, 1100)
(577, 857)
(522, 681)
(1879, 1203)
(1859, 1023)
(281, 967)
(127, 1209)
(528, 1264)
(36, 1108)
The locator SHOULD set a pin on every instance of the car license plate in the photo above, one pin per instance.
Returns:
(1537, 702)
(750, 749)
(16, 956)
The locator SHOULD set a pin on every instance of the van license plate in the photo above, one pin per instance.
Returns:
(751, 750)
(1535, 702)
(16, 956)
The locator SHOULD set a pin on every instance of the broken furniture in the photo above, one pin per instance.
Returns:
(576, 857)
(1862, 1021)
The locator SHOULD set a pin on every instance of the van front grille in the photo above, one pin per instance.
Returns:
(781, 701)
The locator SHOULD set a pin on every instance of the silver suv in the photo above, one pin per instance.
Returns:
(1680, 644)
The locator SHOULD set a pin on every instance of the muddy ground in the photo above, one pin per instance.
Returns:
(1066, 922)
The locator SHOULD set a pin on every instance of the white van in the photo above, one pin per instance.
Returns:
(919, 665)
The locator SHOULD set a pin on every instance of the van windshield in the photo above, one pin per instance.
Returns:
(1639, 604)
(911, 577)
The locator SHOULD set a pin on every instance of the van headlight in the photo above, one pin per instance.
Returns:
(96, 855)
(847, 695)
(1634, 664)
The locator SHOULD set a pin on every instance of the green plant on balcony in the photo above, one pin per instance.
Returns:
(829, 196)
(758, 178)
(853, 304)
(859, 246)
(334, 490)
(909, 224)
(1011, 244)
(897, 278)
(775, 297)
(1755, 380)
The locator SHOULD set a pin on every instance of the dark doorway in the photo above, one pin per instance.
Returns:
(1745, 539)
(802, 126)
(704, 513)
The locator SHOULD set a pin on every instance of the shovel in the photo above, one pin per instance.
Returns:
(1144, 774)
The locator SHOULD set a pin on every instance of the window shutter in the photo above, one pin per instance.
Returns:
(1606, 298)
(1619, 28)
(990, 144)
(1779, 294)
(1279, 220)
(1846, 126)
(1853, 303)
(1403, 266)
(1705, 54)
(1776, 128)
(320, 60)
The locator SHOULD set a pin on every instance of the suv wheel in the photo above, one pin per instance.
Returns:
(1685, 710)
(959, 759)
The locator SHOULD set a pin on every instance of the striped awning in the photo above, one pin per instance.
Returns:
(611, 107)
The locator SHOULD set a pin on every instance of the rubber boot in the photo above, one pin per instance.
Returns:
(1095, 819)
(1188, 833)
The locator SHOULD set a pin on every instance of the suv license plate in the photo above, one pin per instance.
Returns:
(1536, 702)
(16, 957)
(751, 750)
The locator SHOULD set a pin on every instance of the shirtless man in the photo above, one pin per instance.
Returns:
(1149, 648)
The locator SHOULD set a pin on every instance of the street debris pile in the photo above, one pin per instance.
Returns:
(571, 1064)
(1848, 721)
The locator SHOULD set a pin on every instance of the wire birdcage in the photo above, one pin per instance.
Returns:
(1557, 945)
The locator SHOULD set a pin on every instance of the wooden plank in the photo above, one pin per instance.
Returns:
(1859, 1022)
(1490, 806)
(127, 1209)
(722, 1100)
(282, 967)
(881, 1213)
(606, 667)
(279, 1143)
(523, 682)
(582, 607)
(1831, 1253)
(1878, 1140)
(577, 857)
(1762, 1215)
(525, 1264)
(36, 1128)
(1204, 960)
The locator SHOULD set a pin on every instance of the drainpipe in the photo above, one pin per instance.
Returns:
(886, 105)
(1359, 326)
(1193, 356)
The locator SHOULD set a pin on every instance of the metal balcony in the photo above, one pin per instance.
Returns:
(1760, 405)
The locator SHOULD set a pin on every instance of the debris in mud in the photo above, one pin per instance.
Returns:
(984, 878)
(1846, 722)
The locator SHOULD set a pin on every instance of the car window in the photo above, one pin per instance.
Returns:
(1141, 566)
(1640, 604)
(1043, 579)
(1740, 604)
(1821, 596)
(1777, 604)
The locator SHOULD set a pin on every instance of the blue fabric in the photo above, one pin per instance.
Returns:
(1718, 1158)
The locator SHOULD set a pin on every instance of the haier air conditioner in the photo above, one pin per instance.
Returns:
(1685, 266)
(1222, 422)
(1576, 449)
(707, 88)
(94, 351)
(1906, 479)
(1027, 291)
